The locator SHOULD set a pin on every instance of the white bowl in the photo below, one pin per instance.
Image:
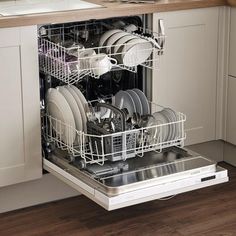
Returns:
(136, 52)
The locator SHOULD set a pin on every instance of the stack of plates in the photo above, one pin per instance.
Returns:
(169, 131)
(130, 50)
(135, 101)
(67, 107)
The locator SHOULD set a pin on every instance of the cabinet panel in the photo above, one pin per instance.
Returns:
(11, 125)
(20, 146)
(231, 111)
(187, 77)
(232, 47)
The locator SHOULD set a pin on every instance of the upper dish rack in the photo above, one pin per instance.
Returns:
(98, 148)
(67, 52)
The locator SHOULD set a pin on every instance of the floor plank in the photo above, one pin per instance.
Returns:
(209, 211)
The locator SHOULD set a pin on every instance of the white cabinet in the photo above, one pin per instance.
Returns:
(232, 47)
(187, 77)
(20, 145)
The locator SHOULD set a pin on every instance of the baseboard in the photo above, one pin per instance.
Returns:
(31, 193)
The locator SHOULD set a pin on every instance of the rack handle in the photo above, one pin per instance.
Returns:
(161, 31)
(115, 110)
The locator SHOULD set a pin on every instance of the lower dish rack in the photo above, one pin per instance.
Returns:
(96, 147)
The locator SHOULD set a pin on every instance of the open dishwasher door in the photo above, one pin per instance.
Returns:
(127, 150)
(154, 176)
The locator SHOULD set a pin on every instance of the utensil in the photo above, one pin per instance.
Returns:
(113, 144)
(144, 119)
(116, 111)
(126, 112)
(135, 119)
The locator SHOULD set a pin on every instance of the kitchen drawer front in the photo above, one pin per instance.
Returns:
(144, 194)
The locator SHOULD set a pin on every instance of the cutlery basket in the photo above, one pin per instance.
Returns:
(114, 145)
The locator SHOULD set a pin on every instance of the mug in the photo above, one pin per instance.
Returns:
(101, 64)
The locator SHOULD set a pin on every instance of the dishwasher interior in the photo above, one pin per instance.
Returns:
(100, 132)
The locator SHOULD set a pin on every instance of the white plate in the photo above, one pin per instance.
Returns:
(174, 117)
(144, 101)
(137, 101)
(81, 96)
(112, 41)
(161, 119)
(153, 133)
(107, 35)
(122, 41)
(124, 100)
(74, 107)
(136, 52)
(171, 127)
(58, 108)
(80, 107)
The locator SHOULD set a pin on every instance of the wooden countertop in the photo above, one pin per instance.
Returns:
(114, 9)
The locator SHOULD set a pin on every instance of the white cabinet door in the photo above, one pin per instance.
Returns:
(187, 76)
(20, 147)
(232, 47)
(231, 111)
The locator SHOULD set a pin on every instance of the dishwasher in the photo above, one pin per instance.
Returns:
(101, 133)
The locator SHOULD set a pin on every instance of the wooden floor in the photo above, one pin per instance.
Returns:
(210, 211)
